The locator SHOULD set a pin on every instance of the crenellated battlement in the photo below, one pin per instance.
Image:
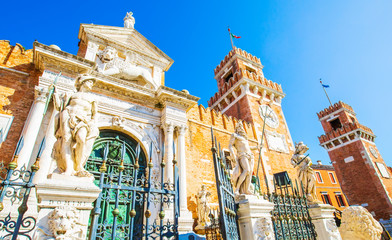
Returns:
(334, 108)
(240, 74)
(209, 117)
(232, 53)
(366, 132)
(13, 56)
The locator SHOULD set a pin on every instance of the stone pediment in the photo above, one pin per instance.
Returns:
(125, 39)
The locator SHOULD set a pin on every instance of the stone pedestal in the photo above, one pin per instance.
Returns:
(254, 218)
(65, 202)
(185, 221)
(324, 222)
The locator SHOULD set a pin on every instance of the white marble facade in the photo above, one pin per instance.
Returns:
(132, 100)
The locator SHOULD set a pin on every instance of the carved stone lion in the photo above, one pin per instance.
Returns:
(264, 229)
(63, 223)
(110, 64)
(359, 224)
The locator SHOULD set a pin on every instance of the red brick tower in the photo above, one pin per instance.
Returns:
(244, 93)
(241, 83)
(364, 177)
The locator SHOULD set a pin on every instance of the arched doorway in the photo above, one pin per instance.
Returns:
(120, 206)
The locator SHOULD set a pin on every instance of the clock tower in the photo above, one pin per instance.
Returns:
(245, 94)
(360, 168)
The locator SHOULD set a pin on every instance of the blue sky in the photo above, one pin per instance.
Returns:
(346, 43)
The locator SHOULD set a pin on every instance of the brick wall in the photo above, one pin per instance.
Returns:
(82, 49)
(359, 179)
(16, 91)
(200, 167)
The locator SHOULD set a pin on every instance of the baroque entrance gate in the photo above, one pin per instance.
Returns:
(132, 202)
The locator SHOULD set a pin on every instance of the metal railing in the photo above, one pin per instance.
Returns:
(290, 217)
(16, 185)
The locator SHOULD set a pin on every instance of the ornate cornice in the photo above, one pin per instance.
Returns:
(46, 56)
(180, 98)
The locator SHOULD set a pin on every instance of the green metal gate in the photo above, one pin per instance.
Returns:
(227, 206)
(124, 208)
(290, 217)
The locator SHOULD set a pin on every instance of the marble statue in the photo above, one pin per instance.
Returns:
(242, 174)
(63, 224)
(359, 224)
(109, 63)
(129, 20)
(75, 128)
(304, 172)
(203, 207)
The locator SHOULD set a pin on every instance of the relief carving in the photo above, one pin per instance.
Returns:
(263, 229)
(63, 223)
(118, 121)
(276, 141)
(110, 64)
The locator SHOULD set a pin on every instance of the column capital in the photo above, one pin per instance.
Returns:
(40, 95)
(182, 129)
(168, 127)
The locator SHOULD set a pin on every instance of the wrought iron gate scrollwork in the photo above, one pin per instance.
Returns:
(227, 206)
(130, 194)
(16, 185)
(290, 217)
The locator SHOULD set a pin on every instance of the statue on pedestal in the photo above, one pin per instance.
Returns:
(242, 174)
(75, 128)
(203, 207)
(305, 173)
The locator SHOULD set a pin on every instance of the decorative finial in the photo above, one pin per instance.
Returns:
(129, 20)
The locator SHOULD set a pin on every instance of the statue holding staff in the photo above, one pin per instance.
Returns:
(242, 174)
(75, 128)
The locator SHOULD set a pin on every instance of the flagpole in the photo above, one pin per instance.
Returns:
(326, 94)
(231, 38)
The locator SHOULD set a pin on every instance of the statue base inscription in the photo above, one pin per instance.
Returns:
(64, 205)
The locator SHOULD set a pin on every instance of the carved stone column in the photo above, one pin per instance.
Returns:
(46, 157)
(182, 167)
(169, 129)
(324, 222)
(32, 127)
(254, 218)
(185, 221)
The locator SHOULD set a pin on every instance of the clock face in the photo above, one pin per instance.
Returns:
(373, 151)
(267, 113)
